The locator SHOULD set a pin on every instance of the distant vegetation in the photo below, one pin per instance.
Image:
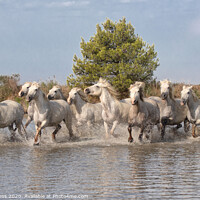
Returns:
(115, 52)
(10, 86)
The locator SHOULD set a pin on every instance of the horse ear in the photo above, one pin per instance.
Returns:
(184, 87)
(191, 87)
(130, 86)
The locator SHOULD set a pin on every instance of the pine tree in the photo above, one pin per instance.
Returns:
(115, 53)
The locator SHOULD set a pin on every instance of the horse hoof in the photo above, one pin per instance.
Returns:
(130, 140)
(72, 138)
(12, 139)
(36, 144)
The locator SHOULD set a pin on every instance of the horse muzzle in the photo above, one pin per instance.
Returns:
(50, 97)
(21, 94)
(69, 101)
(163, 96)
(29, 98)
(87, 91)
(134, 102)
(183, 102)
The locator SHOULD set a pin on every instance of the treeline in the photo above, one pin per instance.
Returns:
(10, 86)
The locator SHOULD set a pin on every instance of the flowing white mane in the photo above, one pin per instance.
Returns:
(105, 84)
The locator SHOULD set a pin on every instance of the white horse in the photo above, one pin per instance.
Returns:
(56, 93)
(171, 112)
(189, 98)
(85, 112)
(144, 112)
(30, 110)
(11, 113)
(48, 113)
(114, 111)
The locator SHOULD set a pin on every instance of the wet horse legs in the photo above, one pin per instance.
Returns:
(58, 127)
(130, 139)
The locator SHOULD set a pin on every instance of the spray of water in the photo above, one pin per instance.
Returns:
(94, 135)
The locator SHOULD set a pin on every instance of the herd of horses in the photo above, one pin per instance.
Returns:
(137, 111)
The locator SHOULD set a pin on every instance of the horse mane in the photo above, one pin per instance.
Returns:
(81, 94)
(57, 86)
(109, 87)
(36, 84)
(194, 96)
(27, 82)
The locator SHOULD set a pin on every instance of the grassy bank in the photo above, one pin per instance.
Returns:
(9, 88)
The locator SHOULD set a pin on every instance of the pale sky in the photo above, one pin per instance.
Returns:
(38, 38)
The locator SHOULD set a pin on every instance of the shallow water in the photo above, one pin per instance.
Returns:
(93, 167)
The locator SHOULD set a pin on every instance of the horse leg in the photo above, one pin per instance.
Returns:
(106, 129)
(58, 127)
(194, 130)
(28, 121)
(141, 133)
(69, 127)
(10, 127)
(164, 122)
(186, 125)
(18, 126)
(113, 127)
(150, 128)
(130, 139)
(38, 132)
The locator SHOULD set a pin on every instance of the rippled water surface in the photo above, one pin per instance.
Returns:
(95, 168)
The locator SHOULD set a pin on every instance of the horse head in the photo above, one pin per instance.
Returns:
(136, 92)
(74, 94)
(33, 92)
(166, 89)
(185, 94)
(25, 88)
(54, 93)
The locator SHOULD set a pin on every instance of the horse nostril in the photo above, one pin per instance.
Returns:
(29, 98)
(49, 97)
(69, 101)
(87, 91)
(22, 94)
(134, 102)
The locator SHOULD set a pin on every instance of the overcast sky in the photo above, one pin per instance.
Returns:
(38, 38)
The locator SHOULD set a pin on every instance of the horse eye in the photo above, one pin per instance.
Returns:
(97, 86)
(188, 93)
(55, 91)
(36, 90)
(28, 87)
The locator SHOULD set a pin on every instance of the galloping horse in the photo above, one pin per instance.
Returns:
(85, 112)
(144, 112)
(114, 111)
(56, 93)
(189, 98)
(171, 112)
(11, 113)
(48, 113)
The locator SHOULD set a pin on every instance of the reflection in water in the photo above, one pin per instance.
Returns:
(102, 169)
